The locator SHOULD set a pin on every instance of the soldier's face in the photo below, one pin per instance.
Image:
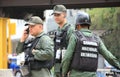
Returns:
(59, 17)
(34, 30)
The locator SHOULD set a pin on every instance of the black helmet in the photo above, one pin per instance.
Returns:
(83, 19)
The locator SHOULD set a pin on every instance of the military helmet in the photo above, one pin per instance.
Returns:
(83, 19)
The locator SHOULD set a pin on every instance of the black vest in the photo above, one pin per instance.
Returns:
(60, 42)
(85, 57)
(29, 57)
(60, 38)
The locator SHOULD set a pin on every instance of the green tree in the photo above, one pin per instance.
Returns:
(108, 19)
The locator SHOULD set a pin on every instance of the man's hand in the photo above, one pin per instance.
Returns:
(24, 36)
(22, 63)
(33, 51)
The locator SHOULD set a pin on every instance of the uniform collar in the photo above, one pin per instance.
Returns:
(85, 30)
(40, 34)
(64, 26)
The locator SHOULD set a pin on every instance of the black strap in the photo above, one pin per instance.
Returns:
(33, 46)
(81, 35)
(66, 28)
(35, 41)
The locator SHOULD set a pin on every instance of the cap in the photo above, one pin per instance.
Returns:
(59, 9)
(34, 20)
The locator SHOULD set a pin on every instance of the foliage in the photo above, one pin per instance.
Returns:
(108, 19)
(105, 18)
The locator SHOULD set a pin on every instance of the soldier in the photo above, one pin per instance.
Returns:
(39, 51)
(81, 57)
(62, 35)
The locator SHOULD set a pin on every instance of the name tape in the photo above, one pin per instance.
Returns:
(89, 49)
(92, 55)
(90, 43)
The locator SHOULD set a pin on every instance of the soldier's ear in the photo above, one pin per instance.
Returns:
(78, 27)
(65, 15)
(42, 26)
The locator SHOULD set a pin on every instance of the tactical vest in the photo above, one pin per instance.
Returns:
(60, 38)
(29, 57)
(85, 56)
(60, 42)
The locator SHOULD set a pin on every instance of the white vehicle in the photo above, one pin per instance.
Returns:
(110, 72)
